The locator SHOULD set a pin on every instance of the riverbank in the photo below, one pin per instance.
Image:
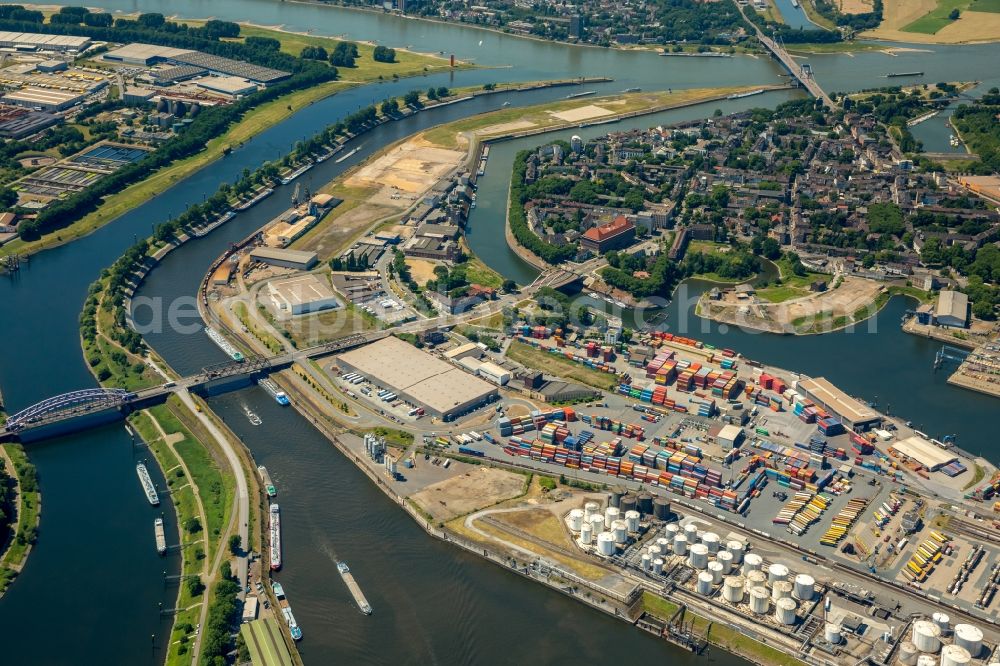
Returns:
(28, 510)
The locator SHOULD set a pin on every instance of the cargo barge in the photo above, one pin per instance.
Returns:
(279, 396)
(161, 539)
(751, 93)
(224, 344)
(585, 93)
(275, 526)
(344, 157)
(204, 231)
(298, 172)
(265, 478)
(355, 589)
(147, 484)
(286, 611)
(256, 200)
(896, 75)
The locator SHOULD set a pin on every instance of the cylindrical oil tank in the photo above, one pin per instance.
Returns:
(661, 508)
(606, 544)
(619, 529)
(657, 566)
(666, 545)
(616, 496)
(632, 520)
(805, 587)
(698, 559)
(784, 610)
(655, 551)
(647, 561)
(725, 558)
(908, 653)
(782, 589)
(717, 572)
(611, 514)
(586, 533)
(970, 637)
(680, 545)
(752, 562)
(943, 621)
(732, 589)
(644, 502)
(672, 530)
(926, 636)
(955, 655)
(926, 660)
(711, 539)
(755, 578)
(776, 572)
(627, 504)
(597, 522)
(831, 633)
(576, 519)
(705, 582)
(590, 508)
(758, 600)
(691, 532)
(735, 548)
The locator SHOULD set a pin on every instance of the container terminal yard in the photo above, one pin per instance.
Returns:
(704, 483)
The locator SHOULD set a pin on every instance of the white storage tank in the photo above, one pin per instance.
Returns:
(606, 544)
(586, 534)
(611, 514)
(619, 529)
(759, 601)
(665, 545)
(672, 530)
(711, 539)
(655, 551)
(680, 545)
(647, 561)
(716, 571)
(926, 636)
(805, 587)
(776, 572)
(926, 660)
(576, 520)
(831, 633)
(732, 589)
(632, 520)
(781, 590)
(756, 578)
(970, 637)
(657, 566)
(784, 610)
(725, 558)
(589, 509)
(698, 559)
(908, 653)
(955, 655)
(596, 523)
(735, 548)
(942, 621)
(752, 562)
(705, 582)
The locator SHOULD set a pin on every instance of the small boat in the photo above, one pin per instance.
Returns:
(279, 396)
(147, 484)
(252, 416)
(286, 611)
(265, 478)
(505, 104)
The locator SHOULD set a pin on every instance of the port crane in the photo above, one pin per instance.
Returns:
(949, 353)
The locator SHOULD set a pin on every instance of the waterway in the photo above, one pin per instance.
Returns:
(793, 15)
(93, 584)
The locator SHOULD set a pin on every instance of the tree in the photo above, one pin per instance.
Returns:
(384, 54)
(8, 197)
(314, 53)
(443, 92)
(235, 544)
(192, 525)
(151, 20)
(412, 98)
(344, 54)
(390, 107)
(953, 15)
(509, 285)
(432, 93)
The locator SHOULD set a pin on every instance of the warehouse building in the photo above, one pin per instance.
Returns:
(920, 450)
(419, 378)
(233, 86)
(42, 99)
(24, 124)
(33, 41)
(952, 309)
(852, 413)
(273, 256)
(302, 294)
(470, 349)
(730, 437)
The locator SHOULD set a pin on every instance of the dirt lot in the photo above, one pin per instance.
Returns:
(475, 490)
(971, 26)
(411, 168)
(855, 6)
(421, 270)
(582, 113)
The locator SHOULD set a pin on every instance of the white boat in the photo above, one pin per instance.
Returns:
(223, 344)
(147, 484)
(252, 416)
(275, 528)
(345, 156)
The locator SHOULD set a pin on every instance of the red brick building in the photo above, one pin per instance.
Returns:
(612, 236)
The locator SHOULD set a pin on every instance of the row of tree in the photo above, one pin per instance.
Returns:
(518, 220)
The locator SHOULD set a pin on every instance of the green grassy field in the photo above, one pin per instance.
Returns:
(559, 366)
(985, 6)
(937, 18)
(27, 518)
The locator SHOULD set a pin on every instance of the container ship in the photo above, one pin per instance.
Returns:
(275, 538)
(355, 589)
(751, 93)
(279, 396)
(266, 480)
(161, 539)
(147, 484)
(286, 611)
(224, 344)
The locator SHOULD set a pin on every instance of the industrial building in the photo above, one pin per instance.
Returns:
(143, 54)
(42, 99)
(233, 86)
(419, 378)
(302, 294)
(730, 437)
(851, 412)
(469, 349)
(150, 54)
(927, 454)
(488, 370)
(32, 41)
(952, 309)
(273, 256)
(25, 123)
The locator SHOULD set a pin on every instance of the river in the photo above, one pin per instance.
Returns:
(93, 584)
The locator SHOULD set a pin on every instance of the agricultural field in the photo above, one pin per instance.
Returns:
(928, 22)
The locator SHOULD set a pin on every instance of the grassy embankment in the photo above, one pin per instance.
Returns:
(791, 285)
(722, 635)
(715, 249)
(28, 510)
(252, 124)
(559, 366)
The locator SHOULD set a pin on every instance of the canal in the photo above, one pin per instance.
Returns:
(93, 585)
